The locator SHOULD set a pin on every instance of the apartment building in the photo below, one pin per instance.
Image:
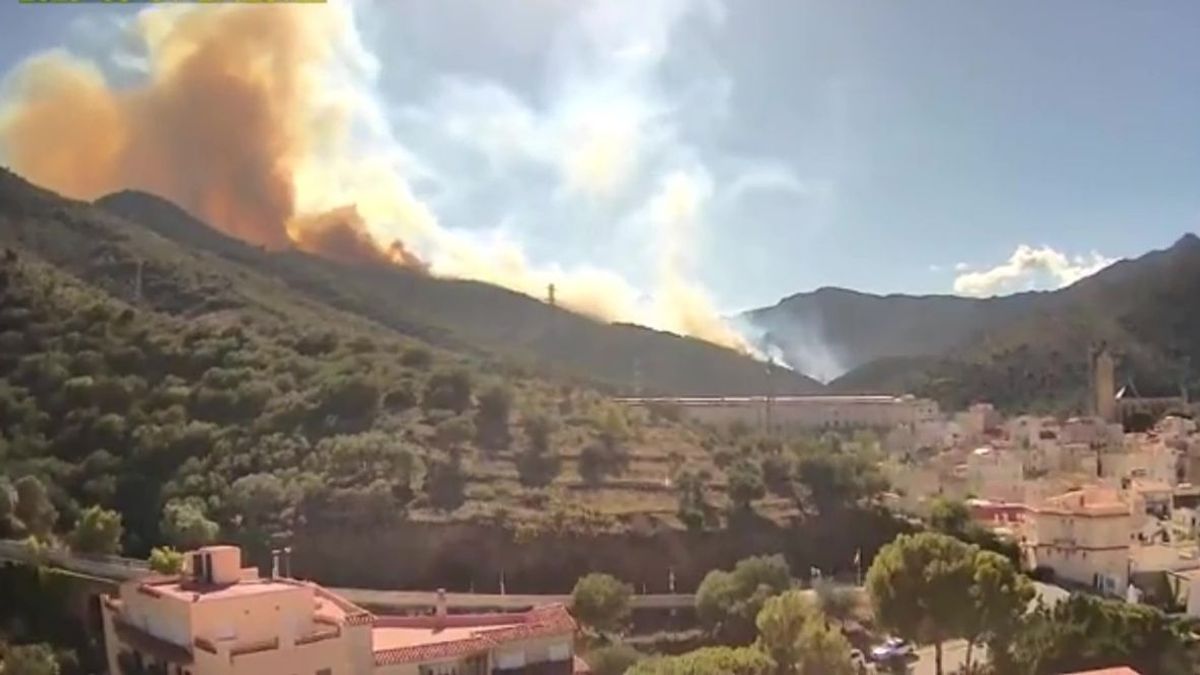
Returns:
(1084, 536)
(219, 618)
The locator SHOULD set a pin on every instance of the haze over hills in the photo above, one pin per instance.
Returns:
(1024, 349)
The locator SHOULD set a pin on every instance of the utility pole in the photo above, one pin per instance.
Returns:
(768, 400)
(137, 283)
(550, 295)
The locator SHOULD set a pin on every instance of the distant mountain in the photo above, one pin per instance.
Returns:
(830, 331)
(1024, 350)
(471, 315)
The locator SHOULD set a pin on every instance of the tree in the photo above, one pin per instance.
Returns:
(694, 508)
(745, 484)
(836, 480)
(920, 586)
(727, 602)
(781, 623)
(952, 517)
(35, 659)
(797, 638)
(453, 432)
(491, 420)
(448, 390)
(836, 601)
(708, 661)
(1000, 595)
(1086, 633)
(8, 507)
(614, 659)
(601, 602)
(949, 516)
(34, 511)
(261, 504)
(185, 524)
(538, 464)
(597, 461)
(446, 481)
(166, 560)
(98, 530)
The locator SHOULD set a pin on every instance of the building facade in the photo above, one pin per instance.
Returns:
(218, 618)
(800, 413)
(1084, 536)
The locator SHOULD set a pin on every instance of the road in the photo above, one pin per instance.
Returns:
(123, 569)
(954, 656)
(414, 599)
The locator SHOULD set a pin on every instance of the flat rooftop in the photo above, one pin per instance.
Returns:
(408, 636)
(192, 591)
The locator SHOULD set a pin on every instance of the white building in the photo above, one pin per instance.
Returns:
(977, 420)
(801, 413)
(1084, 537)
(1093, 431)
(995, 474)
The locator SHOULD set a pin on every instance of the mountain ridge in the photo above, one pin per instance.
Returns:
(463, 313)
(899, 342)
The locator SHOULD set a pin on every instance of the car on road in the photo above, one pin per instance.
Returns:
(892, 649)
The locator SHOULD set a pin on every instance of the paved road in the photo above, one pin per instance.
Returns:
(954, 656)
(123, 569)
(415, 599)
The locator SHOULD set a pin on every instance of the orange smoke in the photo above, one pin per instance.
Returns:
(341, 235)
(218, 126)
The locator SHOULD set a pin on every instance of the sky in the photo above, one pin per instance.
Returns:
(745, 151)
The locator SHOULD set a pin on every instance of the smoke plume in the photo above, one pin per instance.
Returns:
(248, 116)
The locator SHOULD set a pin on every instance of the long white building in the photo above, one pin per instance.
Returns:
(797, 413)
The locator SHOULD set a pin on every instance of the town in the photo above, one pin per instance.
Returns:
(599, 337)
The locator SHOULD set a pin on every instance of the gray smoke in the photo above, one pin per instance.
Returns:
(798, 343)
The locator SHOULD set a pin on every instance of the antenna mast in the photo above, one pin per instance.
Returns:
(137, 283)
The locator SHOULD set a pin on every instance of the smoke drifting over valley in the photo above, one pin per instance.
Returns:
(266, 121)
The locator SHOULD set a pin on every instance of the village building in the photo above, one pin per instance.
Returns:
(1083, 536)
(219, 618)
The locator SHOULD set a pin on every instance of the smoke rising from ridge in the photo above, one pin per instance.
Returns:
(264, 121)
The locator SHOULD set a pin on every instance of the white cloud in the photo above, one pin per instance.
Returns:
(1029, 268)
(935, 268)
(961, 267)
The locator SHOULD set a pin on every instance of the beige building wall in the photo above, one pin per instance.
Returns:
(1085, 548)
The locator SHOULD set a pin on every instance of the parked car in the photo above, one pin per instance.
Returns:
(858, 660)
(891, 649)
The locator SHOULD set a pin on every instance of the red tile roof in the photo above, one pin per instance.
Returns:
(538, 622)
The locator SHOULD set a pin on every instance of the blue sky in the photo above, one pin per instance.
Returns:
(923, 147)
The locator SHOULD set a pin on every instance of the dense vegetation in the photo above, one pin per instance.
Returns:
(176, 396)
(760, 623)
(38, 633)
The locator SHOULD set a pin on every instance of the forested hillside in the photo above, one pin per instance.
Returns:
(472, 315)
(201, 397)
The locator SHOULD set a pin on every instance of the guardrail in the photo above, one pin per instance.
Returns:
(117, 569)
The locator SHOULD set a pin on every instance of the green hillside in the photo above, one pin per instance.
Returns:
(194, 392)
(472, 315)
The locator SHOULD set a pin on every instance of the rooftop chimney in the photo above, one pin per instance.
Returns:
(440, 609)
